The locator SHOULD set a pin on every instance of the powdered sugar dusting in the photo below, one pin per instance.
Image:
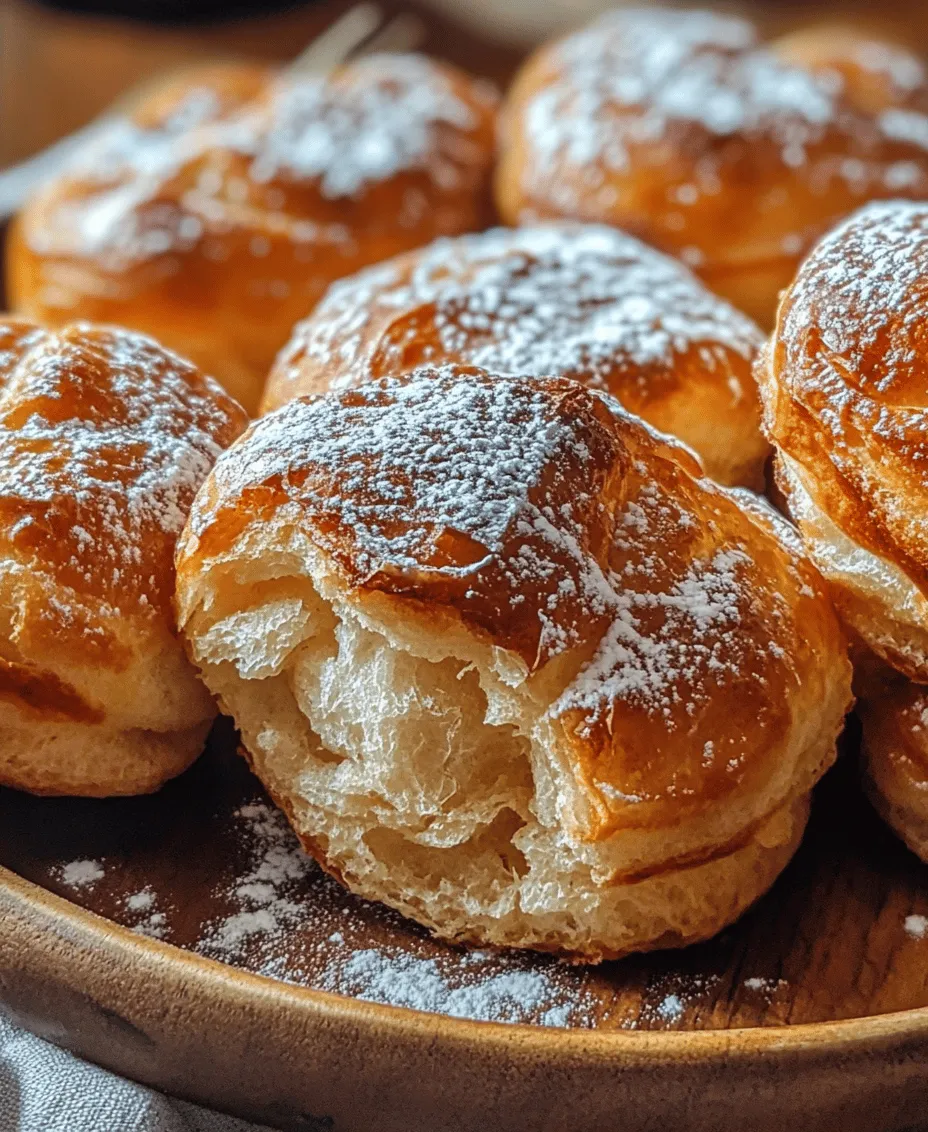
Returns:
(81, 874)
(697, 631)
(151, 186)
(262, 893)
(660, 68)
(482, 449)
(560, 299)
(638, 77)
(514, 995)
(433, 423)
(105, 438)
(861, 373)
(349, 135)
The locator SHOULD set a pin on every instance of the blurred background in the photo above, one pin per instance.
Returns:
(62, 63)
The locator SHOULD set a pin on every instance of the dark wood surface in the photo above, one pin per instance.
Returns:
(830, 941)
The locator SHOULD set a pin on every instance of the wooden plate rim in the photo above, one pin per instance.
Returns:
(815, 1039)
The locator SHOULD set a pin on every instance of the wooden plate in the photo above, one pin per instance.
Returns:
(810, 1012)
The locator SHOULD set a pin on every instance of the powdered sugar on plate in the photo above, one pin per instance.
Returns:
(81, 874)
(262, 892)
(508, 992)
(268, 901)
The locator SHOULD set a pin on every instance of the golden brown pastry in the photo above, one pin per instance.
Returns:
(104, 439)
(845, 391)
(218, 215)
(580, 301)
(510, 663)
(895, 753)
(734, 155)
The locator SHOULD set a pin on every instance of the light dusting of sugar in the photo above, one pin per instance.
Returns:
(143, 915)
(916, 927)
(419, 984)
(127, 197)
(142, 901)
(570, 300)
(758, 984)
(81, 874)
(348, 135)
(267, 903)
(262, 895)
(68, 403)
(862, 373)
(670, 1008)
(636, 76)
(433, 423)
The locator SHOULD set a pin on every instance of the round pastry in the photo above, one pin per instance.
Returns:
(895, 753)
(683, 128)
(582, 301)
(218, 215)
(510, 663)
(844, 390)
(104, 439)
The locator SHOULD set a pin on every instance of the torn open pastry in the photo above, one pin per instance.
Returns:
(510, 663)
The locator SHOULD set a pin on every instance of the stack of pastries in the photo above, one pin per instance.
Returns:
(490, 588)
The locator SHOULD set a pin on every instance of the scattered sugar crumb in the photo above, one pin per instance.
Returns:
(916, 926)
(154, 926)
(509, 994)
(670, 1009)
(142, 901)
(767, 987)
(81, 874)
(261, 897)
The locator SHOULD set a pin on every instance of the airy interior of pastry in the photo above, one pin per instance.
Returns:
(687, 130)
(844, 390)
(104, 439)
(217, 214)
(510, 663)
(581, 301)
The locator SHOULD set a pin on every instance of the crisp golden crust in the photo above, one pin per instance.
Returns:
(844, 389)
(594, 649)
(217, 216)
(104, 439)
(683, 128)
(579, 301)
(895, 752)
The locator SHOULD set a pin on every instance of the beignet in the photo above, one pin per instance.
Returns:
(895, 759)
(845, 392)
(682, 127)
(511, 663)
(104, 439)
(582, 301)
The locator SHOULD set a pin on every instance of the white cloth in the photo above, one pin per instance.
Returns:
(45, 1089)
